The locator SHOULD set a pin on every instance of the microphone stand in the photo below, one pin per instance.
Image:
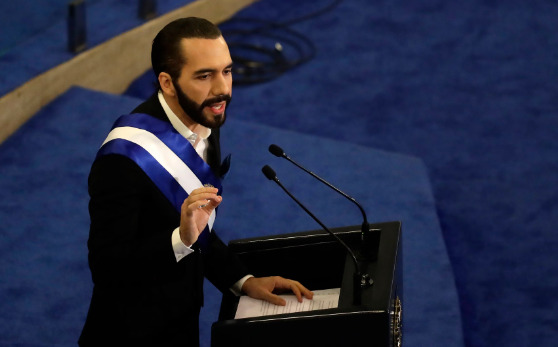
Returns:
(370, 238)
(360, 279)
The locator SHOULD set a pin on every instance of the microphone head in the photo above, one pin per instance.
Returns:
(269, 173)
(276, 151)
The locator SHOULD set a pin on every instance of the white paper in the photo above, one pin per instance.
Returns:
(323, 299)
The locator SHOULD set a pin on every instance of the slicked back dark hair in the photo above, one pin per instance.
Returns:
(166, 51)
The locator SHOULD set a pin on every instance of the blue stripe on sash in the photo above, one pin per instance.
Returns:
(161, 177)
(176, 142)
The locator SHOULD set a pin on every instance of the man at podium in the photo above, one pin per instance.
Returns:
(154, 188)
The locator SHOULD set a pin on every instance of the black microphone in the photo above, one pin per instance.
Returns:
(370, 238)
(360, 280)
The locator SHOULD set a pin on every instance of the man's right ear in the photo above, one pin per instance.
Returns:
(165, 82)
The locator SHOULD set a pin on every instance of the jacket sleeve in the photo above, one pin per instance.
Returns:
(223, 268)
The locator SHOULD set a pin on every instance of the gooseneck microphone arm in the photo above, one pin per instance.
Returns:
(359, 280)
(278, 152)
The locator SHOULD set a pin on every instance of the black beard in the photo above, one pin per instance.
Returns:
(195, 111)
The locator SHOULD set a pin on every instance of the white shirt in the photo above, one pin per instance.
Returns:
(200, 143)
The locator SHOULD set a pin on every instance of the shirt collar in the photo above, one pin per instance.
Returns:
(179, 126)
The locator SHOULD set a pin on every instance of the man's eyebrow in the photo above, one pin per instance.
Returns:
(208, 70)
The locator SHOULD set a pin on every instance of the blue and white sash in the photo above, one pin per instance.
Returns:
(169, 160)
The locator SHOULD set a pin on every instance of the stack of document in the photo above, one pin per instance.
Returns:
(323, 299)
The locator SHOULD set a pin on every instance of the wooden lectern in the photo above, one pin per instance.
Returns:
(319, 262)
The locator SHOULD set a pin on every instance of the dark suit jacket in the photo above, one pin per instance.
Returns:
(141, 294)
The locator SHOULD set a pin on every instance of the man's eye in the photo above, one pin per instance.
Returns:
(203, 77)
(228, 72)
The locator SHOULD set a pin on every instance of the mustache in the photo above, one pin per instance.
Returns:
(216, 99)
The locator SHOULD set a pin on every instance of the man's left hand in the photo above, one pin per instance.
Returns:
(263, 288)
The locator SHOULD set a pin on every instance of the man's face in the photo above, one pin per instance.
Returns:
(205, 84)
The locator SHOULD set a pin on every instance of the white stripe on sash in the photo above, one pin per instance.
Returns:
(164, 156)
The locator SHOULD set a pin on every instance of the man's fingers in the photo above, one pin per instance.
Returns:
(275, 299)
(296, 292)
(204, 190)
(202, 200)
(298, 289)
(211, 201)
(307, 293)
(264, 288)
